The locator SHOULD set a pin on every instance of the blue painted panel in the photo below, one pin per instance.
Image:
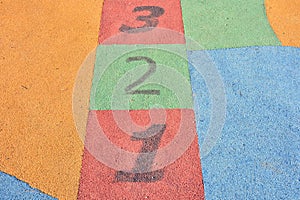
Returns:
(258, 153)
(12, 188)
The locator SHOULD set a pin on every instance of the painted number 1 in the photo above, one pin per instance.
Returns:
(151, 139)
(150, 20)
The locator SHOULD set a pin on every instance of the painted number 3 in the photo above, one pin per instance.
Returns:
(150, 20)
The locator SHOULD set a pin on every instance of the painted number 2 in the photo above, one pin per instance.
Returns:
(151, 139)
(150, 20)
(152, 68)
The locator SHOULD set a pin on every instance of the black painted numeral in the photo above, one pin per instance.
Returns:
(152, 69)
(151, 139)
(151, 20)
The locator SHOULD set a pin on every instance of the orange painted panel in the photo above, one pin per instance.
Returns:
(43, 44)
(284, 17)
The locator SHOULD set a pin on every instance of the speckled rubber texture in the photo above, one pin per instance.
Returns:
(12, 188)
(257, 156)
(218, 24)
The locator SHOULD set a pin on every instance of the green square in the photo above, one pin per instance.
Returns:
(216, 24)
(122, 78)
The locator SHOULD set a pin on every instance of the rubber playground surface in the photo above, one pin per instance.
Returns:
(136, 99)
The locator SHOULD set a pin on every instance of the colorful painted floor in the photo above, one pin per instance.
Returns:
(187, 99)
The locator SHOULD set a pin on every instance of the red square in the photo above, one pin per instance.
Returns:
(180, 179)
(141, 22)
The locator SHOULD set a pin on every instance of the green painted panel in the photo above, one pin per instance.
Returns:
(118, 67)
(217, 24)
